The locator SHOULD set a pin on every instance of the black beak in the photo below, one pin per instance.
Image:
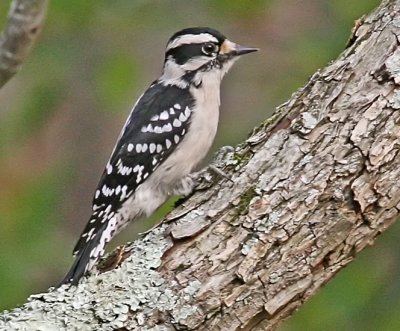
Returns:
(230, 49)
(241, 50)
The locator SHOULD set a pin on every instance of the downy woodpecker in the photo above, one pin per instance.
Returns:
(168, 132)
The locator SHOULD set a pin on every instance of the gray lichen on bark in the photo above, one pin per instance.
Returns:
(310, 188)
(24, 22)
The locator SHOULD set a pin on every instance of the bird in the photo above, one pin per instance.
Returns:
(168, 132)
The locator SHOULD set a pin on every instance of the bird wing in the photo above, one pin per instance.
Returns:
(154, 129)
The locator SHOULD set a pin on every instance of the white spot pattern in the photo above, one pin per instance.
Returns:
(177, 123)
(148, 128)
(172, 111)
(95, 207)
(88, 234)
(177, 106)
(164, 115)
(139, 175)
(176, 139)
(187, 112)
(124, 170)
(123, 192)
(182, 117)
(130, 147)
(107, 191)
(158, 129)
(168, 143)
(109, 168)
(159, 148)
(155, 118)
(152, 148)
(167, 127)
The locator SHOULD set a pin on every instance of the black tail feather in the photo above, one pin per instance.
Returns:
(80, 265)
(84, 258)
(78, 268)
(83, 252)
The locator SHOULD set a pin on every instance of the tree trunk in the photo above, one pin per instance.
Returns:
(24, 23)
(310, 188)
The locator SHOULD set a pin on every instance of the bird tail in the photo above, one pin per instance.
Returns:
(87, 253)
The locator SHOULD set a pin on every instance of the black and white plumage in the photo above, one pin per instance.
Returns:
(168, 133)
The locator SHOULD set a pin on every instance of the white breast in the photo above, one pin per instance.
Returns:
(189, 153)
(201, 133)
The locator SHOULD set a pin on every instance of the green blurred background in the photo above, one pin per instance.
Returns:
(60, 116)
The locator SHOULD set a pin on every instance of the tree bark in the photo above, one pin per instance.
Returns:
(309, 189)
(24, 23)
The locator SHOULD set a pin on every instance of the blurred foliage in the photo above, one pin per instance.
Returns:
(60, 116)
(115, 79)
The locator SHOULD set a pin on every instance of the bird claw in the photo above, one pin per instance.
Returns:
(205, 177)
(219, 172)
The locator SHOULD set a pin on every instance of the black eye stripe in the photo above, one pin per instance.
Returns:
(184, 52)
(209, 48)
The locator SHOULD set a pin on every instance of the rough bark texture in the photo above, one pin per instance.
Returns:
(310, 188)
(24, 23)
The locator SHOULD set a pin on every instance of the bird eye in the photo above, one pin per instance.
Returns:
(209, 48)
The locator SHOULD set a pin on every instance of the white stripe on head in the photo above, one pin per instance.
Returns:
(172, 73)
(191, 39)
(195, 63)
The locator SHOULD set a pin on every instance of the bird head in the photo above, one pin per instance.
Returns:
(198, 51)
